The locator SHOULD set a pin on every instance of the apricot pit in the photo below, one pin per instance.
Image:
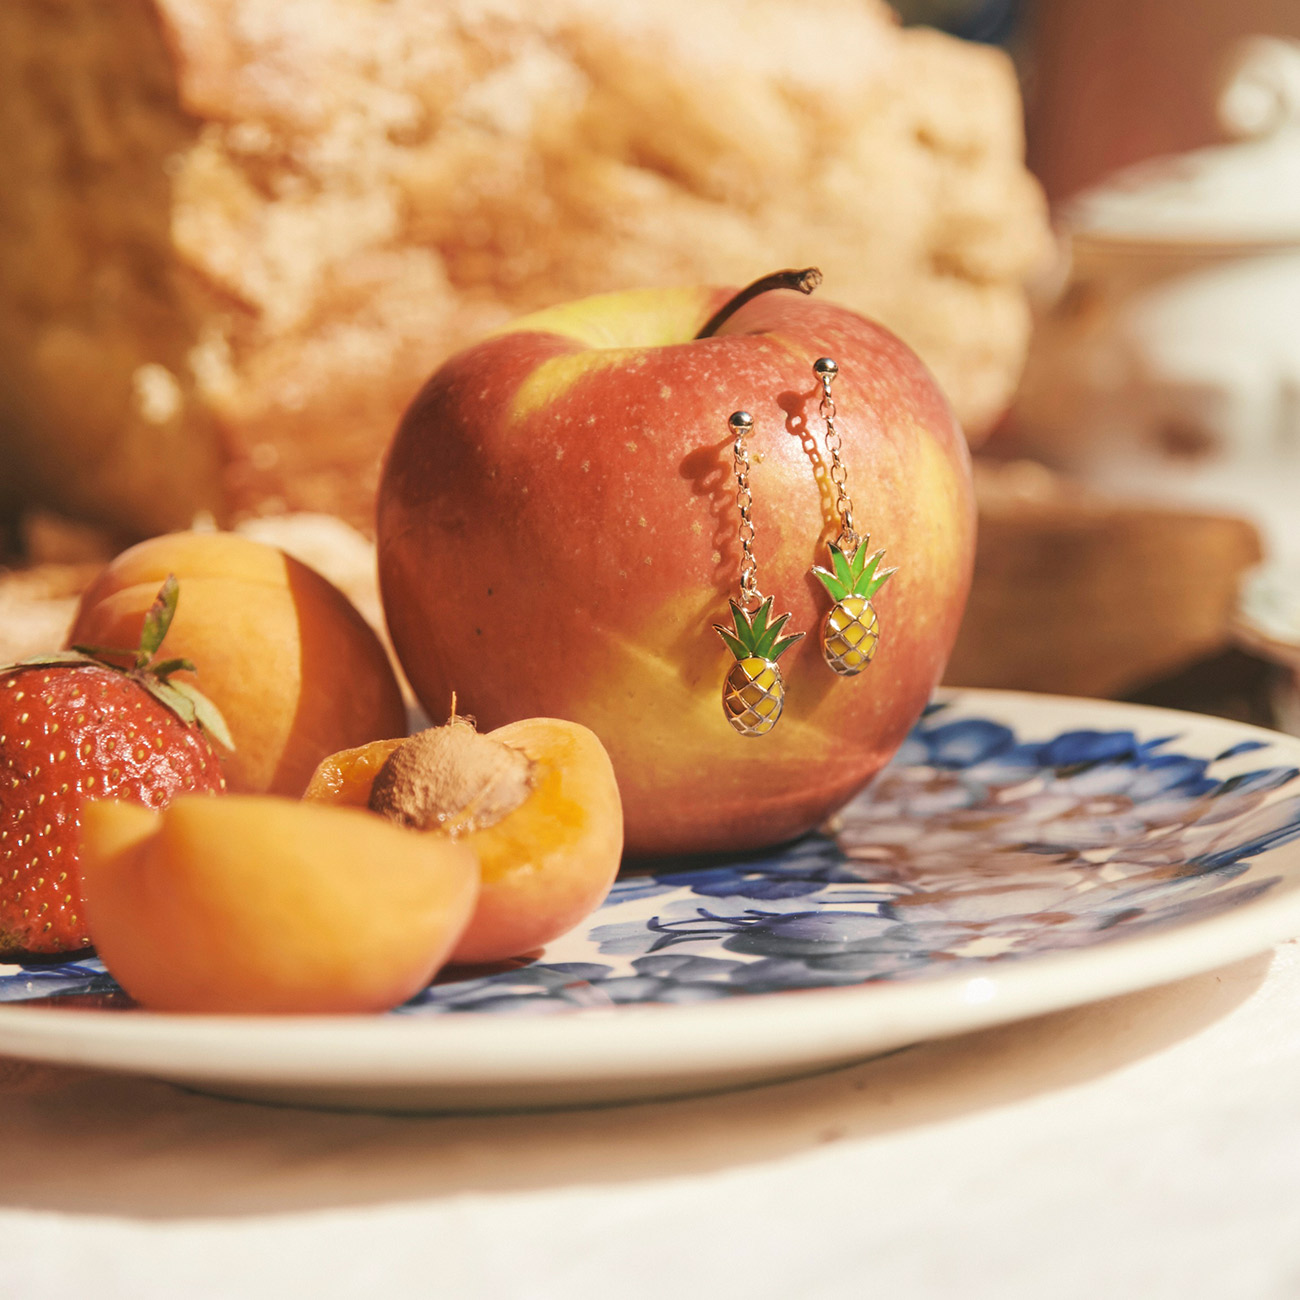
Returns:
(536, 801)
(453, 778)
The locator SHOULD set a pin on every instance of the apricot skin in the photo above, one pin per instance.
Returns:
(544, 866)
(261, 905)
(296, 671)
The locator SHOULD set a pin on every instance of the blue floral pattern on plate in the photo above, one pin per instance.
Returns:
(975, 846)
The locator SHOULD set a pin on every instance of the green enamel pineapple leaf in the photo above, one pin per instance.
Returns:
(773, 645)
(783, 645)
(873, 576)
(843, 569)
(833, 585)
(741, 638)
(860, 559)
(734, 644)
(753, 637)
(838, 579)
(861, 576)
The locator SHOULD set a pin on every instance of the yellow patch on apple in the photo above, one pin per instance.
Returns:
(635, 318)
(554, 379)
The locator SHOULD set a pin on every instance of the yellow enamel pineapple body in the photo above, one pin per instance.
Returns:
(850, 633)
(753, 696)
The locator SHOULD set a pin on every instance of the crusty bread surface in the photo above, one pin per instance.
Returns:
(236, 235)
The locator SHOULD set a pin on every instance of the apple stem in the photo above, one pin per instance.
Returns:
(804, 281)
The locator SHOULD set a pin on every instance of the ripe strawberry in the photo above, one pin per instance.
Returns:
(75, 727)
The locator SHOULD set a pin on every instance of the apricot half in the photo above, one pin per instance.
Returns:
(536, 801)
(293, 667)
(258, 904)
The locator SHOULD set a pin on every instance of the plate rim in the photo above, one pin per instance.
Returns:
(677, 1040)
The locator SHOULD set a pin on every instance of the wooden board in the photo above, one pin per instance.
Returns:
(1081, 594)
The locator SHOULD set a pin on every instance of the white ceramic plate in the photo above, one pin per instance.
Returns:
(1022, 854)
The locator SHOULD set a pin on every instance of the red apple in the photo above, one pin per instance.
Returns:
(558, 532)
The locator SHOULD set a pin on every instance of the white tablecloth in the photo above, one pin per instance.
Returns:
(1144, 1147)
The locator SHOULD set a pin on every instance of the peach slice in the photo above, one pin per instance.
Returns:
(536, 801)
(258, 904)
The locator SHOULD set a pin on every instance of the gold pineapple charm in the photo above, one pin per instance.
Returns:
(753, 693)
(851, 630)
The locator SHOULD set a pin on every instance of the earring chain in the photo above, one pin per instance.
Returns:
(750, 594)
(839, 475)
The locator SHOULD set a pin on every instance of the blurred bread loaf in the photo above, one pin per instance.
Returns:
(236, 235)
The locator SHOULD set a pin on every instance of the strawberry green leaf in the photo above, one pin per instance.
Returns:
(52, 659)
(206, 714)
(103, 654)
(157, 621)
(167, 694)
(165, 669)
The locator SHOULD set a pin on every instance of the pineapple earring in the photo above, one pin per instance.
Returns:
(851, 630)
(753, 693)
